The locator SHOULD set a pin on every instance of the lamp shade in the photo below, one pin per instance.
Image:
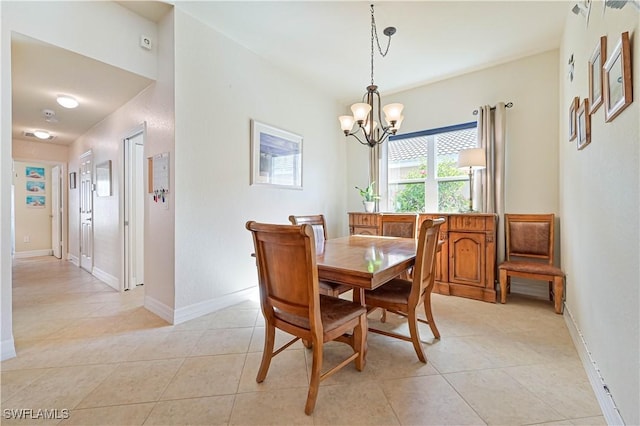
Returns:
(473, 157)
(360, 111)
(393, 112)
(346, 122)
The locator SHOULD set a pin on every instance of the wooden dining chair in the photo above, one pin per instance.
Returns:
(320, 232)
(290, 301)
(400, 225)
(405, 297)
(529, 254)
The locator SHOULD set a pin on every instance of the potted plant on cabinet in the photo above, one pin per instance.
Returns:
(368, 197)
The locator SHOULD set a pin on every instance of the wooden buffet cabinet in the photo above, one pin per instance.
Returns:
(466, 263)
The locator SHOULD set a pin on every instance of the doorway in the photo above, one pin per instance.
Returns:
(86, 211)
(134, 198)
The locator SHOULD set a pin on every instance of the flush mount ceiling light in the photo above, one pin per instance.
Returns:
(42, 134)
(365, 112)
(67, 101)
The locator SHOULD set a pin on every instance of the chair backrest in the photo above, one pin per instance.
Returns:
(399, 225)
(530, 236)
(318, 224)
(424, 268)
(287, 271)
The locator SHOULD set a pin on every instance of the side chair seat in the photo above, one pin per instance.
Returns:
(394, 292)
(532, 268)
(334, 312)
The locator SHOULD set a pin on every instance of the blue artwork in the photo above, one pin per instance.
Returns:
(34, 172)
(33, 186)
(35, 201)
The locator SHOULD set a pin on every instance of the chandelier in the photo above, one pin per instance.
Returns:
(366, 112)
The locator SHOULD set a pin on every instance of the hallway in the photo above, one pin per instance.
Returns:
(99, 354)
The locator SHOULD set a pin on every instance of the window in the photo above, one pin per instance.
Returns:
(422, 169)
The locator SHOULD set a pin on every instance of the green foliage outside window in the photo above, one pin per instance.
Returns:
(450, 199)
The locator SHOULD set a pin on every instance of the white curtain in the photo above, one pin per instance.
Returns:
(491, 137)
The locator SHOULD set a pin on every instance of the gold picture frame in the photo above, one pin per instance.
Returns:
(596, 64)
(583, 119)
(617, 79)
(573, 108)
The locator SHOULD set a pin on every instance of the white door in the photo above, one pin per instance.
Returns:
(56, 212)
(134, 211)
(86, 211)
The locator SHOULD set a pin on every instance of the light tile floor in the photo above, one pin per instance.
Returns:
(100, 355)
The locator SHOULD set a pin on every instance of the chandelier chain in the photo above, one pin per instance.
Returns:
(374, 35)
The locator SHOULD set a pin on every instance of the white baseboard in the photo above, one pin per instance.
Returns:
(33, 253)
(108, 279)
(158, 308)
(206, 307)
(605, 399)
(73, 259)
(8, 349)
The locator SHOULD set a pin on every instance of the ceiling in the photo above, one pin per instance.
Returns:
(326, 44)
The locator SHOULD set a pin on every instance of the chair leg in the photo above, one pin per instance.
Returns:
(415, 336)
(360, 342)
(558, 293)
(503, 286)
(550, 291)
(383, 317)
(429, 313)
(315, 378)
(267, 352)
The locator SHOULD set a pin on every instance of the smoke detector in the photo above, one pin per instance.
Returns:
(49, 115)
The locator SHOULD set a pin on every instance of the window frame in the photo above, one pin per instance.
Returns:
(431, 181)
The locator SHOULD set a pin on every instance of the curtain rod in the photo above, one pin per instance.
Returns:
(507, 105)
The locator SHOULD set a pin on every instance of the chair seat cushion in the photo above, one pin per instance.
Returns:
(334, 312)
(395, 291)
(532, 268)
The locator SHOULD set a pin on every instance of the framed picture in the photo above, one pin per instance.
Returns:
(36, 201)
(584, 124)
(596, 64)
(573, 108)
(34, 172)
(103, 179)
(617, 79)
(276, 157)
(72, 180)
(35, 186)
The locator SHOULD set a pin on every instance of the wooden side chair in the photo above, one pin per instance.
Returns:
(400, 225)
(529, 254)
(290, 301)
(319, 226)
(406, 297)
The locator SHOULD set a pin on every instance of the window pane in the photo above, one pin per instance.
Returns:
(453, 196)
(448, 145)
(406, 197)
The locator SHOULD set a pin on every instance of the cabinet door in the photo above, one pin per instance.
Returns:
(467, 258)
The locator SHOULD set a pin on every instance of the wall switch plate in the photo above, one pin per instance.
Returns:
(26, 239)
(145, 42)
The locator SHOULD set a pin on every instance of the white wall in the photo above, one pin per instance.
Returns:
(221, 87)
(532, 125)
(599, 189)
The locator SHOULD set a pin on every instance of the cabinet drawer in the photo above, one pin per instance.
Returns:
(467, 223)
(364, 219)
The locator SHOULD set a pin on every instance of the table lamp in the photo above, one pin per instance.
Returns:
(473, 159)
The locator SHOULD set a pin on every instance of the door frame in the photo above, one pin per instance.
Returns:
(140, 129)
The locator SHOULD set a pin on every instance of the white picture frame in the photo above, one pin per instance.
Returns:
(276, 157)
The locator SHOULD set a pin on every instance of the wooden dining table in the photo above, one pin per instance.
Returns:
(364, 262)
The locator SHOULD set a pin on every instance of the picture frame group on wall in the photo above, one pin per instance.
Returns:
(583, 119)
(617, 83)
(596, 64)
(276, 157)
